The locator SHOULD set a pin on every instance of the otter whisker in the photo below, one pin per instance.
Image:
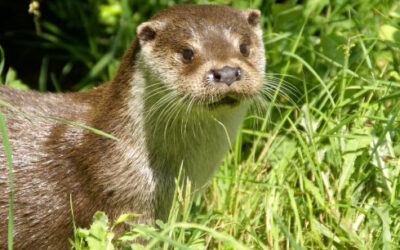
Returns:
(167, 99)
(281, 84)
(285, 83)
(152, 93)
(166, 108)
(279, 90)
(173, 110)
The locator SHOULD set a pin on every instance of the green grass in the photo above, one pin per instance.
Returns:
(8, 154)
(323, 173)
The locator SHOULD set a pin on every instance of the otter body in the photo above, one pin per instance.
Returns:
(177, 99)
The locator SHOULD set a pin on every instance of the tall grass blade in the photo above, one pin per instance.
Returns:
(43, 74)
(2, 61)
(7, 151)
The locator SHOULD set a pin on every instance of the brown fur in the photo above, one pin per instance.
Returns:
(53, 160)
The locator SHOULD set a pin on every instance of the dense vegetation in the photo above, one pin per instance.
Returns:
(318, 168)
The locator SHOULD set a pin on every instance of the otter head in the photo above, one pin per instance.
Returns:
(211, 56)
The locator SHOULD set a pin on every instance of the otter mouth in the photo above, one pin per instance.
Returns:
(226, 101)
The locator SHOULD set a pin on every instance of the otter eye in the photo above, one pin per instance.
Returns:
(187, 55)
(244, 49)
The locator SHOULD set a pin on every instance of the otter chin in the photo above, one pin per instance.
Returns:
(177, 100)
(225, 101)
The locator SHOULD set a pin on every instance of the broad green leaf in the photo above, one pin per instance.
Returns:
(99, 235)
(389, 33)
(13, 81)
(123, 218)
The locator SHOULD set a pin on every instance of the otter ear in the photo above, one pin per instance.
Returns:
(253, 17)
(147, 31)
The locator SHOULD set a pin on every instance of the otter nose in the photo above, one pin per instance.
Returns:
(227, 75)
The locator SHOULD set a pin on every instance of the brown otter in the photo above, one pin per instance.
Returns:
(177, 99)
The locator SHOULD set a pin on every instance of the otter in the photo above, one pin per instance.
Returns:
(176, 101)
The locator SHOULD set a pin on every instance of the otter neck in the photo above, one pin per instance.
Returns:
(180, 135)
(152, 147)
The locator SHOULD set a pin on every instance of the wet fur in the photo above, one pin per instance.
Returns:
(53, 160)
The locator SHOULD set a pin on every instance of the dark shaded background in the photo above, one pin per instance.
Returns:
(16, 28)
(25, 49)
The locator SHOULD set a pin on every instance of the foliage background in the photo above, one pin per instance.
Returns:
(319, 168)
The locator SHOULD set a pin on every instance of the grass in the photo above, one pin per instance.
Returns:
(322, 173)
(8, 154)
